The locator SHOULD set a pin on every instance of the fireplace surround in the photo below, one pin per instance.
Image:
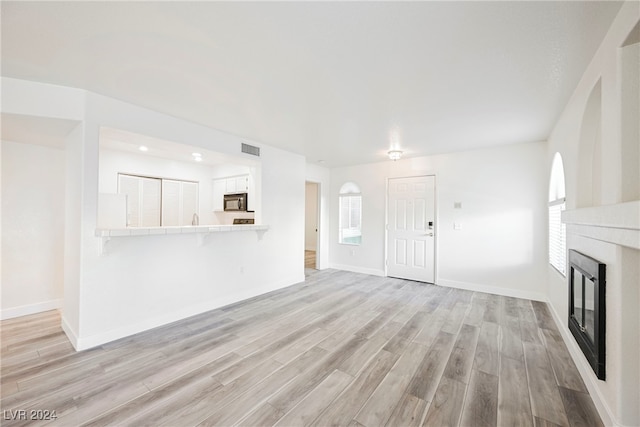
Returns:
(587, 308)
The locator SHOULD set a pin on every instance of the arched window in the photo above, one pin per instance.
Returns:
(557, 230)
(350, 221)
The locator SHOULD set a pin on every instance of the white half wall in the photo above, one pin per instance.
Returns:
(501, 246)
(33, 215)
(144, 281)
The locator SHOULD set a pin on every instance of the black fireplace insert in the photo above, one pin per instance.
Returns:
(587, 308)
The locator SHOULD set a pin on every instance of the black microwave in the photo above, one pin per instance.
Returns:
(235, 202)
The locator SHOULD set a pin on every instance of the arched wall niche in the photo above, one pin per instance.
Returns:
(589, 184)
(629, 79)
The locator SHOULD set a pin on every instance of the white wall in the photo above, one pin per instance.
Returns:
(33, 213)
(612, 171)
(311, 216)
(501, 247)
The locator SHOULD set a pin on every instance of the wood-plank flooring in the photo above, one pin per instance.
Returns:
(340, 349)
(309, 259)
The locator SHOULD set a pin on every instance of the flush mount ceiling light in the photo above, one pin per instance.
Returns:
(394, 154)
(197, 157)
(143, 148)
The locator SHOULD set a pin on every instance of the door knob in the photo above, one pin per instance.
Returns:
(429, 234)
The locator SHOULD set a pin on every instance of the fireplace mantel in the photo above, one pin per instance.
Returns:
(618, 224)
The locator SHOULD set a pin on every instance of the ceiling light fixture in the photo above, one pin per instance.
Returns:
(143, 148)
(196, 154)
(394, 155)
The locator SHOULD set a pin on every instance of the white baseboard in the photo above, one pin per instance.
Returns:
(353, 269)
(24, 310)
(608, 419)
(496, 290)
(94, 340)
(68, 330)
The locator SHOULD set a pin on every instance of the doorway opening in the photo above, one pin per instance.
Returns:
(311, 225)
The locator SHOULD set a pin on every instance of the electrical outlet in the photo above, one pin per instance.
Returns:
(353, 252)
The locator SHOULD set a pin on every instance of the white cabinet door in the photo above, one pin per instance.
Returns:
(179, 202)
(251, 192)
(150, 212)
(242, 184)
(236, 184)
(189, 205)
(219, 190)
(230, 186)
(170, 202)
(143, 200)
(129, 186)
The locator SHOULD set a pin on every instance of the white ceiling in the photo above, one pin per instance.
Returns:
(116, 139)
(335, 81)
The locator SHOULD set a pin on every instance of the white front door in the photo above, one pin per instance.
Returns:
(411, 228)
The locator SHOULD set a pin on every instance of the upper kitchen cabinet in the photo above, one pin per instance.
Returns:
(233, 185)
(237, 184)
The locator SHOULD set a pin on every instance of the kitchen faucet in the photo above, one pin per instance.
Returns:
(195, 220)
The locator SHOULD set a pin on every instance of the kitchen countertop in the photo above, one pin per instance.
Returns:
(147, 231)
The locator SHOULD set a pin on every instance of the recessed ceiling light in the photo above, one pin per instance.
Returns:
(197, 159)
(196, 154)
(143, 148)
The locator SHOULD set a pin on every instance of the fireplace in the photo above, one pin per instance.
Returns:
(587, 308)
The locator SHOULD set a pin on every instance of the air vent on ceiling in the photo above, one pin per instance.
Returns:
(250, 149)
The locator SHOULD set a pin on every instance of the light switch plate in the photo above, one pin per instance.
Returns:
(457, 226)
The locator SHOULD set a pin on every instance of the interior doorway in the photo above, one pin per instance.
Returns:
(311, 225)
(411, 228)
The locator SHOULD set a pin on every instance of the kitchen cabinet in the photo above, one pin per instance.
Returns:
(237, 184)
(219, 189)
(231, 185)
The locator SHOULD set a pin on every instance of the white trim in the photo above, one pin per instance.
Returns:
(353, 269)
(496, 290)
(69, 332)
(436, 218)
(90, 341)
(25, 310)
(585, 370)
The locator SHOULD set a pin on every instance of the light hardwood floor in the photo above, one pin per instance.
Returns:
(309, 259)
(339, 349)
